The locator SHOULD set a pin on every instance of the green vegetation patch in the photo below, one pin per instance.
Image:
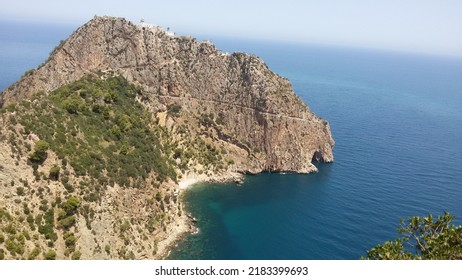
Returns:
(98, 127)
(423, 238)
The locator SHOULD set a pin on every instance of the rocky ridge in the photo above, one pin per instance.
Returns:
(258, 109)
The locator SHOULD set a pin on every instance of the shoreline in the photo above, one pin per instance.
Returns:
(192, 179)
(183, 225)
(175, 232)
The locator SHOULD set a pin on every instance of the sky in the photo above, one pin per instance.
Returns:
(423, 26)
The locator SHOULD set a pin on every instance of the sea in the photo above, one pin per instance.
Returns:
(397, 122)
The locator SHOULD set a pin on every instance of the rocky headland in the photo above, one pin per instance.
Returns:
(210, 116)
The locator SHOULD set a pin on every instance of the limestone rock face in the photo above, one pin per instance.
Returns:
(258, 112)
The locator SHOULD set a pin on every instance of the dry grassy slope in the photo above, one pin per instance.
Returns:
(117, 206)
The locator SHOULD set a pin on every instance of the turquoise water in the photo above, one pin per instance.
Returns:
(397, 122)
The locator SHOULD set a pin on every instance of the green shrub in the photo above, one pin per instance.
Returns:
(167, 199)
(40, 151)
(20, 191)
(70, 239)
(158, 196)
(26, 209)
(15, 247)
(48, 228)
(174, 109)
(72, 106)
(50, 255)
(4, 214)
(76, 255)
(107, 248)
(67, 222)
(10, 229)
(34, 253)
(54, 172)
(11, 107)
(71, 205)
(125, 226)
(30, 219)
(151, 225)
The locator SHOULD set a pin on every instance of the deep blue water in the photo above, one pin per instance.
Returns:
(397, 122)
(24, 46)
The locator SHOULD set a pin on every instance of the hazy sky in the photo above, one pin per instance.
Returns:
(433, 26)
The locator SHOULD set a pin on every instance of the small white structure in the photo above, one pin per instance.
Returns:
(143, 25)
(170, 33)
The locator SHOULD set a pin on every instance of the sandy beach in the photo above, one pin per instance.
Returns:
(187, 182)
(193, 178)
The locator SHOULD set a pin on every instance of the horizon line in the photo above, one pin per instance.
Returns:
(246, 37)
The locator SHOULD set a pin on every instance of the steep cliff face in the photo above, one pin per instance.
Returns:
(238, 102)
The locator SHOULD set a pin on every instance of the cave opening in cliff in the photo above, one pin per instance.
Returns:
(317, 156)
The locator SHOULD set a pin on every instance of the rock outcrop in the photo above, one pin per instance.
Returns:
(245, 107)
